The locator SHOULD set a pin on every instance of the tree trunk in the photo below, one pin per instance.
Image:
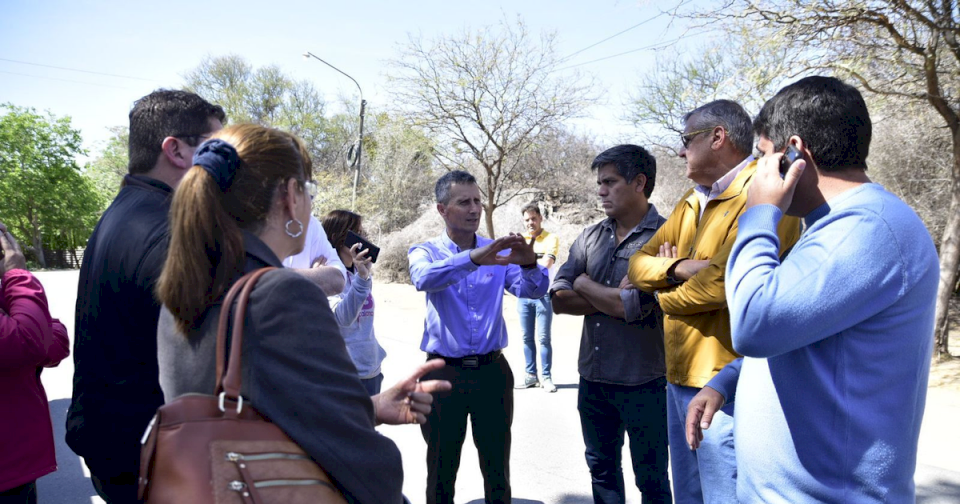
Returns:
(491, 205)
(37, 242)
(488, 219)
(949, 261)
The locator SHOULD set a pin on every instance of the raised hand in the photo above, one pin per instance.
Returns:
(409, 400)
(363, 263)
(521, 252)
(12, 255)
(768, 188)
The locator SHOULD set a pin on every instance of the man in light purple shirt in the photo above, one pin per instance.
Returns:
(464, 276)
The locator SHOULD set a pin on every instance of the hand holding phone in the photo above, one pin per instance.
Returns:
(792, 154)
(373, 250)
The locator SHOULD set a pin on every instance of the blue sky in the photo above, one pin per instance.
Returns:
(147, 45)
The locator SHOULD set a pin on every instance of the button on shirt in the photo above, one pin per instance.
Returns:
(465, 301)
(614, 350)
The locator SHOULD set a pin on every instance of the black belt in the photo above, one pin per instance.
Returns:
(469, 361)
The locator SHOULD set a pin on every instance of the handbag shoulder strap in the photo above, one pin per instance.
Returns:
(228, 380)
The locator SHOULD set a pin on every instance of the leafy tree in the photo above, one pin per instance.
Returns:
(399, 174)
(267, 97)
(485, 95)
(45, 198)
(107, 170)
(907, 49)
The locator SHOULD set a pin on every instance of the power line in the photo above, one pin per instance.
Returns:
(64, 80)
(78, 70)
(565, 58)
(658, 45)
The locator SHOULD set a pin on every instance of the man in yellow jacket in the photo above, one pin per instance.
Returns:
(683, 266)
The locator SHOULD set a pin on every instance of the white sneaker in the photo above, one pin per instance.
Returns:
(548, 385)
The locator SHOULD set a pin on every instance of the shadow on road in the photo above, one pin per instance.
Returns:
(938, 491)
(68, 485)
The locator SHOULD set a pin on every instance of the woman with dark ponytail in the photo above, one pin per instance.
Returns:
(243, 207)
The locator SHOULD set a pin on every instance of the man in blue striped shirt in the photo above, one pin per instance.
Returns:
(464, 276)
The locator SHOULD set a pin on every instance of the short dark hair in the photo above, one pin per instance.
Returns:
(165, 113)
(442, 189)
(729, 114)
(337, 223)
(630, 161)
(530, 207)
(829, 115)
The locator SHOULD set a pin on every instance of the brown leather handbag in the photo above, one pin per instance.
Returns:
(217, 449)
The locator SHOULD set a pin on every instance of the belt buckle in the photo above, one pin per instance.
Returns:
(471, 361)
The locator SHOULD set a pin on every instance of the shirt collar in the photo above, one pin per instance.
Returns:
(259, 251)
(724, 182)
(649, 221)
(146, 182)
(453, 247)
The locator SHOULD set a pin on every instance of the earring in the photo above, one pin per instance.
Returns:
(286, 227)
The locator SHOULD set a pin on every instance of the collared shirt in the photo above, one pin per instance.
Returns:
(614, 350)
(465, 301)
(316, 245)
(706, 194)
(546, 246)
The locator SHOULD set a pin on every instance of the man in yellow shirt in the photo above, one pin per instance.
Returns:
(538, 312)
(683, 266)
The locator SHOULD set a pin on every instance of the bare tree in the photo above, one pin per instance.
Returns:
(485, 95)
(898, 48)
(734, 66)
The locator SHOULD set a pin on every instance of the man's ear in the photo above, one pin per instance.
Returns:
(442, 209)
(174, 152)
(641, 181)
(802, 147)
(719, 136)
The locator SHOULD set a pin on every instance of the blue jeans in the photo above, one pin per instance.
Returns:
(606, 413)
(536, 312)
(709, 474)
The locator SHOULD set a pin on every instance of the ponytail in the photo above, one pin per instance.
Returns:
(231, 190)
(205, 252)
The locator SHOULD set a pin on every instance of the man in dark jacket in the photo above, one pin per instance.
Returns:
(115, 385)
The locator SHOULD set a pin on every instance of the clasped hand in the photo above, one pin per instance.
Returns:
(521, 252)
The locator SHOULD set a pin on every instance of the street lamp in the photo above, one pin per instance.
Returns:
(363, 107)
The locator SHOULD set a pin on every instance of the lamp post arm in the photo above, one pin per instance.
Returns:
(345, 74)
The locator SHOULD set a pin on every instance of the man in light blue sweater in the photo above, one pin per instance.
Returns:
(837, 334)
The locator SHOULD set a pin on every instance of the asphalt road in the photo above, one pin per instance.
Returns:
(547, 464)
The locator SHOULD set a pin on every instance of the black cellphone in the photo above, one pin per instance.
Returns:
(353, 238)
(788, 158)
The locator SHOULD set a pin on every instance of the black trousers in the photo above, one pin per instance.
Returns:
(112, 486)
(609, 411)
(485, 395)
(23, 494)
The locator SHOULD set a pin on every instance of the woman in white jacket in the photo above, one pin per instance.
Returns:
(354, 306)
